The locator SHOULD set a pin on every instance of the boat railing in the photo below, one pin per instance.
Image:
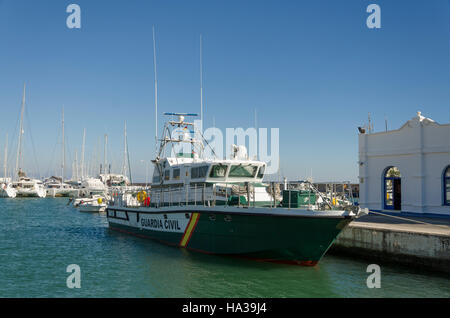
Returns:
(243, 196)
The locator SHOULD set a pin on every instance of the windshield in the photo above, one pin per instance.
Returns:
(261, 172)
(241, 171)
(218, 171)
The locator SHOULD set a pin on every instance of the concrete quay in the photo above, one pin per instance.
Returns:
(423, 243)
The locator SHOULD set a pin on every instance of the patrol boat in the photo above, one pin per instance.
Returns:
(222, 206)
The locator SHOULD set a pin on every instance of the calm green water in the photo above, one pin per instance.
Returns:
(39, 238)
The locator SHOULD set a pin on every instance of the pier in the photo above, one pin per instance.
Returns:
(423, 243)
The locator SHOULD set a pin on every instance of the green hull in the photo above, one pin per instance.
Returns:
(290, 239)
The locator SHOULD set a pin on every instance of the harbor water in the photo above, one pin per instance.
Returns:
(39, 238)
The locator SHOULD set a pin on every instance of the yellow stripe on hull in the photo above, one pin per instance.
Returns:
(189, 229)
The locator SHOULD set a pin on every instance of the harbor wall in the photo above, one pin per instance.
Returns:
(422, 250)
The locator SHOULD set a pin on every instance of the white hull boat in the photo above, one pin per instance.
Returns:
(27, 187)
(61, 191)
(92, 205)
(7, 191)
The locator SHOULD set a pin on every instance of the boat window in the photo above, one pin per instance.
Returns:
(156, 177)
(176, 174)
(261, 172)
(167, 175)
(199, 172)
(241, 171)
(218, 171)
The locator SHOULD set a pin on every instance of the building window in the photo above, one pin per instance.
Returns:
(392, 189)
(447, 186)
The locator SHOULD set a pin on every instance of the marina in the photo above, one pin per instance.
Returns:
(224, 150)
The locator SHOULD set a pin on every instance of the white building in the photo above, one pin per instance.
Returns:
(408, 169)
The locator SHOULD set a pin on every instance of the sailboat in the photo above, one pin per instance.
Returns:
(25, 186)
(56, 187)
(115, 179)
(6, 188)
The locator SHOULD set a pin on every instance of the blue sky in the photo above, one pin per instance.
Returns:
(311, 68)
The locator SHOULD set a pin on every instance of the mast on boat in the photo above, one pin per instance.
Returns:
(82, 154)
(105, 153)
(5, 157)
(63, 159)
(19, 146)
(124, 167)
(156, 93)
(76, 165)
(201, 86)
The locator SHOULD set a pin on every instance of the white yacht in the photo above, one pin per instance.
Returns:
(27, 187)
(114, 180)
(6, 188)
(95, 205)
(55, 188)
(91, 186)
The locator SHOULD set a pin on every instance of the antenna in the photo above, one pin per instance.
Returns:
(156, 93)
(370, 128)
(201, 85)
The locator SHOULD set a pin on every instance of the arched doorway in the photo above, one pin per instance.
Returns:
(446, 185)
(392, 189)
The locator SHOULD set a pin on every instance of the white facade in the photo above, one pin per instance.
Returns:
(420, 150)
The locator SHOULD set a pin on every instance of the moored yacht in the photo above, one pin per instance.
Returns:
(55, 188)
(28, 187)
(222, 206)
(6, 188)
(92, 186)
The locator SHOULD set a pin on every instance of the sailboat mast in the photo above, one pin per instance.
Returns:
(105, 153)
(63, 161)
(76, 165)
(6, 157)
(124, 168)
(156, 93)
(19, 146)
(82, 154)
